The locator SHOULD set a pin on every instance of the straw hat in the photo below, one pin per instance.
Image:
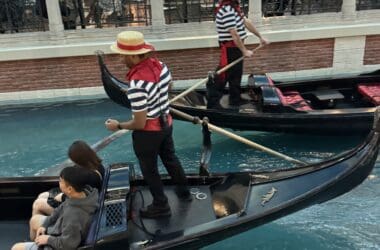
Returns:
(131, 43)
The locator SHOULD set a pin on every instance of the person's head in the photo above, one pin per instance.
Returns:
(72, 180)
(132, 46)
(84, 156)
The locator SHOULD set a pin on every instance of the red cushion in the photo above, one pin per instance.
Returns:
(371, 91)
(293, 98)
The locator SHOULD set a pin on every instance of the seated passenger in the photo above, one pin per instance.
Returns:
(83, 156)
(68, 224)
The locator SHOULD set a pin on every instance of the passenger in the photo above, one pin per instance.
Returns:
(67, 226)
(83, 156)
(149, 81)
(231, 24)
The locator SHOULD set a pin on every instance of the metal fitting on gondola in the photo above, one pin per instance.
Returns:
(211, 74)
(205, 120)
(196, 120)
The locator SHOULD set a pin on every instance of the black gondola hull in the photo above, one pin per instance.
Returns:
(321, 105)
(345, 110)
(196, 224)
(300, 194)
(313, 123)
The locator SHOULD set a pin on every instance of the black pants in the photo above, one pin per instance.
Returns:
(148, 145)
(233, 76)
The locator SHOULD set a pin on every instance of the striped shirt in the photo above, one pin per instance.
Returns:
(227, 18)
(145, 93)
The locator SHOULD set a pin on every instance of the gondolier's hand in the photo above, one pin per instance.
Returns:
(263, 41)
(247, 53)
(112, 124)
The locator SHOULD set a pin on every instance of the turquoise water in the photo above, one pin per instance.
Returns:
(33, 138)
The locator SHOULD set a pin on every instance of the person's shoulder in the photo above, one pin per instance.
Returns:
(141, 76)
(164, 67)
(137, 74)
(70, 212)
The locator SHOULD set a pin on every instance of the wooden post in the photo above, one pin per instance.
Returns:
(54, 14)
(255, 11)
(349, 8)
(157, 10)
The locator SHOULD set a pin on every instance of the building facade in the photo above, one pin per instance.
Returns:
(60, 63)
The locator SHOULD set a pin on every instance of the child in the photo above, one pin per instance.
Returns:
(67, 226)
(83, 156)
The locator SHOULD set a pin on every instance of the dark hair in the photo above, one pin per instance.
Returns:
(83, 155)
(75, 177)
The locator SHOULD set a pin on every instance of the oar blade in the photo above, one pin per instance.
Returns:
(206, 151)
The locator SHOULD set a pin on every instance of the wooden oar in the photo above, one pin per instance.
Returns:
(225, 68)
(237, 137)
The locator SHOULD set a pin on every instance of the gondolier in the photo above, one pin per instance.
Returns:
(230, 25)
(148, 86)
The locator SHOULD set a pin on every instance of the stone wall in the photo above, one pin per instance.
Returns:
(372, 50)
(83, 71)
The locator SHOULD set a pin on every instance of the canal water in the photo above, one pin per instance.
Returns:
(36, 137)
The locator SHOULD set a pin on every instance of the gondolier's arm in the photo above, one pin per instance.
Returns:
(137, 123)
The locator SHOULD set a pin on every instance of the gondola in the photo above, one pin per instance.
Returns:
(223, 205)
(337, 105)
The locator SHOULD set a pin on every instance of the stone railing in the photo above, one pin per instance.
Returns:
(58, 15)
(57, 42)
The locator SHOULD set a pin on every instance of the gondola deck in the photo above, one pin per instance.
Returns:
(180, 219)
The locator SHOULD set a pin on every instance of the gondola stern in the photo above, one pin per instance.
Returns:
(114, 88)
(100, 56)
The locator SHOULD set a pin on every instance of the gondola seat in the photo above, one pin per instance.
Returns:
(289, 98)
(256, 81)
(294, 99)
(110, 218)
(371, 92)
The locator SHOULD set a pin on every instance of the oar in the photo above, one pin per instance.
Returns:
(96, 147)
(237, 137)
(225, 68)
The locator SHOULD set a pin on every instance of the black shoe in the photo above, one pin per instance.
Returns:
(184, 195)
(152, 211)
(188, 197)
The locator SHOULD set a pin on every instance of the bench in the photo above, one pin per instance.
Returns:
(371, 91)
(256, 81)
(327, 94)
